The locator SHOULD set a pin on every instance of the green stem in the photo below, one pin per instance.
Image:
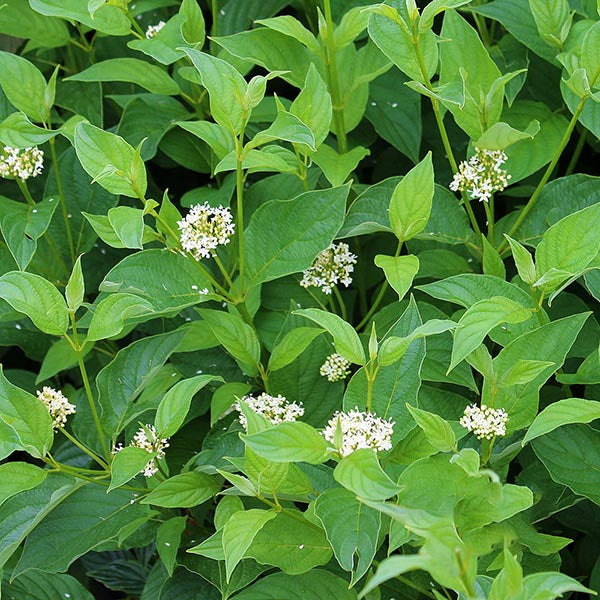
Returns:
(483, 30)
(577, 152)
(239, 187)
(63, 203)
(489, 213)
(331, 304)
(334, 84)
(88, 389)
(544, 180)
(223, 271)
(215, 17)
(25, 191)
(75, 441)
(341, 303)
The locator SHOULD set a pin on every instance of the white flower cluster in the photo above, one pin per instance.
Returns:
(275, 409)
(154, 29)
(58, 406)
(481, 175)
(204, 228)
(147, 439)
(484, 422)
(360, 430)
(335, 367)
(332, 266)
(21, 163)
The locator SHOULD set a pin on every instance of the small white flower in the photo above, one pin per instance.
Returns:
(359, 430)
(335, 367)
(482, 175)
(332, 266)
(147, 439)
(204, 228)
(484, 422)
(154, 29)
(58, 406)
(20, 163)
(275, 409)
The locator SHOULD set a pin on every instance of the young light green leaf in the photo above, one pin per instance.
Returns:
(411, 201)
(127, 463)
(522, 372)
(289, 443)
(75, 288)
(128, 225)
(435, 8)
(18, 131)
(18, 477)
(438, 431)
(562, 412)
(501, 135)
(361, 473)
(337, 167)
(392, 567)
(523, 261)
(492, 261)
(225, 397)
(589, 54)
(291, 346)
(399, 271)
(346, 340)
(553, 19)
(38, 299)
(509, 582)
(183, 491)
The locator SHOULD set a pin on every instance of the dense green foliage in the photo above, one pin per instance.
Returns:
(302, 309)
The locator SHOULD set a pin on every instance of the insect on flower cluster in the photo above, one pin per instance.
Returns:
(205, 228)
(276, 409)
(335, 368)
(359, 430)
(332, 266)
(484, 422)
(481, 175)
(57, 404)
(147, 439)
(21, 163)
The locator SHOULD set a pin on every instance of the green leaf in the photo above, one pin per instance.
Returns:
(238, 533)
(492, 261)
(128, 224)
(438, 431)
(399, 271)
(292, 345)
(305, 226)
(351, 527)
(563, 412)
(509, 582)
(553, 19)
(216, 136)
(411, 201)
(286, 127)
(337, 167)
(346, 340)
(523, 261)
(168, 539)
(501, 135)
(293, 28)
(548, 586)
(24, 86)
(479, 320)
(75, 288)
(523, 371)
(111, 161)
(435, 8)
(60, 357)
(130, 70)
(568, 246)
(392, 567)
(361, 473)
(18, 477)
(38, 299)
(237, 337)
(288, 443)
(23, 225)
(18, 131)
(43, 586)
(183, 491)
(225, 397)
(175, 405)
(112, 313)
(589, 53)
(126, 464)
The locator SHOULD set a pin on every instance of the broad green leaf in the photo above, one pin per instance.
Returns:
(183, 491)
(18, 477)
(523, 371)
(289, 443)
(337, 167)
(123, 379)
(291, 346)
(131, 70)
(43, 586)
(168, 539)
(392, 567)
(351, 528)
(128, 224)
(438, 431)
(81, 522)
(24, 86)
(237, 337)
(305, 226)
(288, 128)
(346, 340)
(548, 586)
(111, 161)
(479, 320)
(570, 457)
(399, 271)
(60, 357)
(568, 246)
(126, 464)
(509, 582)
(18, 131)
(563, 412)
(589, 54)
(23, 225)
(112, 312)
(492, 261)
(291, 543)
(353, 23)
(38, 299)
(411, 201)
(238, 533)
(501, 135)
(361, 473)
(523, 261)
(175, 405)
(216, 136)
(225, 397)
(553, 19)
(291, 27)
(435, 8)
